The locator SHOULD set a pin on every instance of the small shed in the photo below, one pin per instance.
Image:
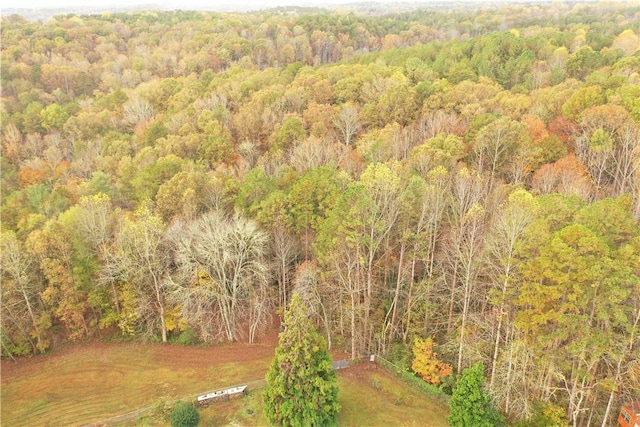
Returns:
(205, 400)
(218, 396)
(340, 364)
(630, 415)
(236, 391)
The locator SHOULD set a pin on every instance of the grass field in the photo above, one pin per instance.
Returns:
(93, 382)
(90, 383)
(369, 396)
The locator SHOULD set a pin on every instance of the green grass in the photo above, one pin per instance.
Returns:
(368, 397)
(381, 399)
(245, 411)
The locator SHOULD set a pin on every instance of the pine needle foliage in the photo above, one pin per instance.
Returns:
(302, 389)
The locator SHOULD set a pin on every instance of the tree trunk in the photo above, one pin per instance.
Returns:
(407, 327)
(507, 399)
(495, 348)
(353, 326)
(163, 324)
(611, 395)
(396, 296)
(454, 278)
(465, 313)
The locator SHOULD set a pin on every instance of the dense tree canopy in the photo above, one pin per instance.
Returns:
(469, 174)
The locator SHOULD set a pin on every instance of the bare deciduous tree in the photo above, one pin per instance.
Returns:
(506, 231)
(137, 110)
(22, 307)
(433, 123)
(348, 122)
(313, 153)
(223, 277)
(463, 247)
(285, 250)
(141, 258)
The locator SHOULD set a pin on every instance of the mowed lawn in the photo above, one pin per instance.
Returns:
(372, 396)
(369, 396)
(90, 383)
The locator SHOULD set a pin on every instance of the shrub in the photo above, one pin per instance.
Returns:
(471, 404)
(184, 415)
(187, 337)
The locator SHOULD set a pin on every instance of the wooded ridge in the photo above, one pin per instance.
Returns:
(466, 180)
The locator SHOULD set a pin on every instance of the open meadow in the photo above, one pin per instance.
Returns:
(92, 383)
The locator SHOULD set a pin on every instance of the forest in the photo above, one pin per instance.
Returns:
(465, 177)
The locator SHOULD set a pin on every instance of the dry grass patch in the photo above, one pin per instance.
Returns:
(371, 396)
(94, 382)
(89, 383)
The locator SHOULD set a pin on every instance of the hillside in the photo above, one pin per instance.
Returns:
(462, 176)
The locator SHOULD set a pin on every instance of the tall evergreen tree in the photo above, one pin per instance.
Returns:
(470, 404)
(302, 389)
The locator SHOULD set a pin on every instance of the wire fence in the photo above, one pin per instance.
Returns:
(257, 384)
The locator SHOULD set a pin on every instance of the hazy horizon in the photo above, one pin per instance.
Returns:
(223, 4)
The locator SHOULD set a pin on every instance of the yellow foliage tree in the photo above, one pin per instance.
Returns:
(426, 363)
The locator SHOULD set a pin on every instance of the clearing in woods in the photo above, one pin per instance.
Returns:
(93, 382)
(369, 396)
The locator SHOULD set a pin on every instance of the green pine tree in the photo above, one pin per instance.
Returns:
(470, 404)
(302, 389)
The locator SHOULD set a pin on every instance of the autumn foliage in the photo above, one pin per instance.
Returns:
(471, 175)
(426, 363)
